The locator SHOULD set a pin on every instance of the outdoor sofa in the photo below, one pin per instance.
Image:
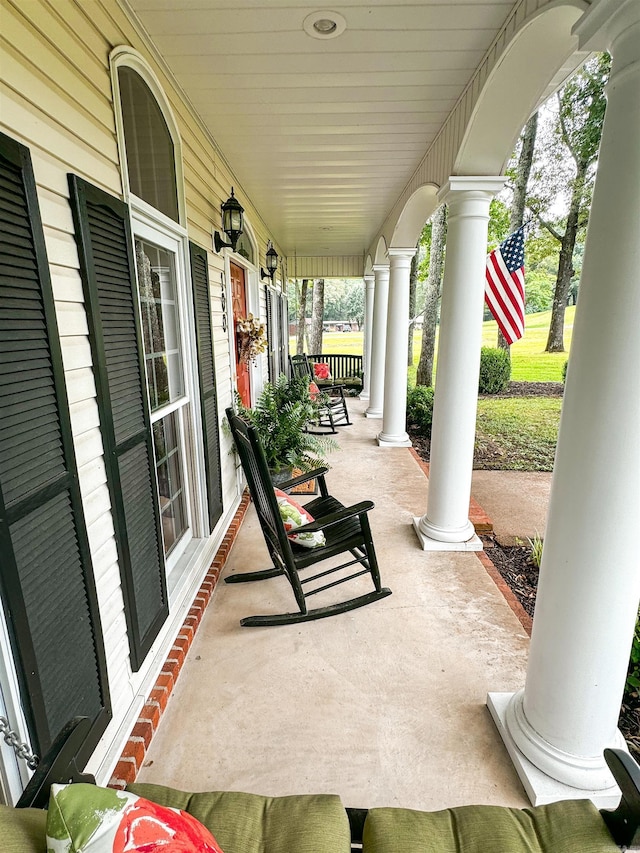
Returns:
(248, 823)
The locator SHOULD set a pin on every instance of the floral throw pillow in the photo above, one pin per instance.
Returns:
(293, 516)
(314, 391)
(88, 819)
(321, 370)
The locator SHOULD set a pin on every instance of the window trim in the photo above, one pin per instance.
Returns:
(131, 58)
(185, 404)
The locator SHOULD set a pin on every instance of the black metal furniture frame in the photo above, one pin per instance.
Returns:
(346, 530)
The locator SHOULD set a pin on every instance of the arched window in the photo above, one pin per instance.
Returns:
(150, 154)
(174, 314)
(244, 247)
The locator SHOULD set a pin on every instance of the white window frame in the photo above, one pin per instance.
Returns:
(153, 226)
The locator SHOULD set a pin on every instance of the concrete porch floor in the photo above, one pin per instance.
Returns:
(384, 705)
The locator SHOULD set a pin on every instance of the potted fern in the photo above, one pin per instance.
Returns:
(280, 417)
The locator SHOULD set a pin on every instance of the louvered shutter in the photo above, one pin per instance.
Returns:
(105, 248)
(46, 577)
(207, 374)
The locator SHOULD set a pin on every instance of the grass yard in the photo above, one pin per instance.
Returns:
(529, 361)
(516, 433)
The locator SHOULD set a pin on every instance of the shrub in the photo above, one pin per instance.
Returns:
(633, 676)
(495, 370)
(420, 408)
(536, 545)
(564, 370)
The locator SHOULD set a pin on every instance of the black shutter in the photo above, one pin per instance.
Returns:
(105, 247)
(207, 374)
(46, 577)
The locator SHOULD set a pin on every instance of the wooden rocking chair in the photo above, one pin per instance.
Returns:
(333, 412)
(346, 530)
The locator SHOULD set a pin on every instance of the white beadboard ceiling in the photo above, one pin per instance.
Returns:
(323, 134)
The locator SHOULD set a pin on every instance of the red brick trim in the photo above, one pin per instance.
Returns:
(525, 620)
(481, 522)
(133, 754)
(483, 525)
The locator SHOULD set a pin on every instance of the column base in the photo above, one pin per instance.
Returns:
(540, 787)
(373, 413)
(427, 528)
(364, 396)
(401, 440)
(427, 543)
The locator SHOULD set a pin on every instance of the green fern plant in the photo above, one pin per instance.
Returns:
(280, 416)
(632, 686)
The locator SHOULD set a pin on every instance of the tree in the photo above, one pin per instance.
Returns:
(354, 302)
(317, 316)
(520, 182)
(581, 107)
(302, 317)
(424, 375)
(413, 283)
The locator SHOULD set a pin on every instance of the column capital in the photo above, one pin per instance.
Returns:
(604, 21)
(474, 185)
(381, 273)
(400, 252)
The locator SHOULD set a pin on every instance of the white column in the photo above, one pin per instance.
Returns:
(394, 419)
(589, 585)
(446, 525)
(378, 341)
(369, 281)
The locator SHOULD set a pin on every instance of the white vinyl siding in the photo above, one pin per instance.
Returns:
(56, 98)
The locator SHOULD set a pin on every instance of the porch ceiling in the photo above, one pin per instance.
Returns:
(323, 134)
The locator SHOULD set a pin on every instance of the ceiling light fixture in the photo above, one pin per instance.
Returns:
(324, 24)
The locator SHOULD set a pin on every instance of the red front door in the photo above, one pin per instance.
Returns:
(239, 300)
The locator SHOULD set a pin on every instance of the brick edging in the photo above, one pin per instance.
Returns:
(483, 525)
(525, 620)
(135, 750)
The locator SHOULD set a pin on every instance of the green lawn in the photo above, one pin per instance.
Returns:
(513, 433)
(517, 433)
(530, 363)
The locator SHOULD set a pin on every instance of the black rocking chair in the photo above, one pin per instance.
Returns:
(333, 410)
(346, 529)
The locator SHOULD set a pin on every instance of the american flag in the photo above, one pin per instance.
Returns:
(504, 288)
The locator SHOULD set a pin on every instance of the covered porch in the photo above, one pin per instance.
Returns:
(287, 709)
(385, 705)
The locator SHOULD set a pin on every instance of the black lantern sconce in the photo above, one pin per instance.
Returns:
(272, 262)
(232, 223)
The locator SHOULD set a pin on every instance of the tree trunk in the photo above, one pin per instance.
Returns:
(317, 315)
(434, 279)
(302, 317)
(413, 284)
(518, 202)
(555, 341)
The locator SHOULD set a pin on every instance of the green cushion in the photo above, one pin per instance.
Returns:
(248, 823)
(22, 830)
(574, 825)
